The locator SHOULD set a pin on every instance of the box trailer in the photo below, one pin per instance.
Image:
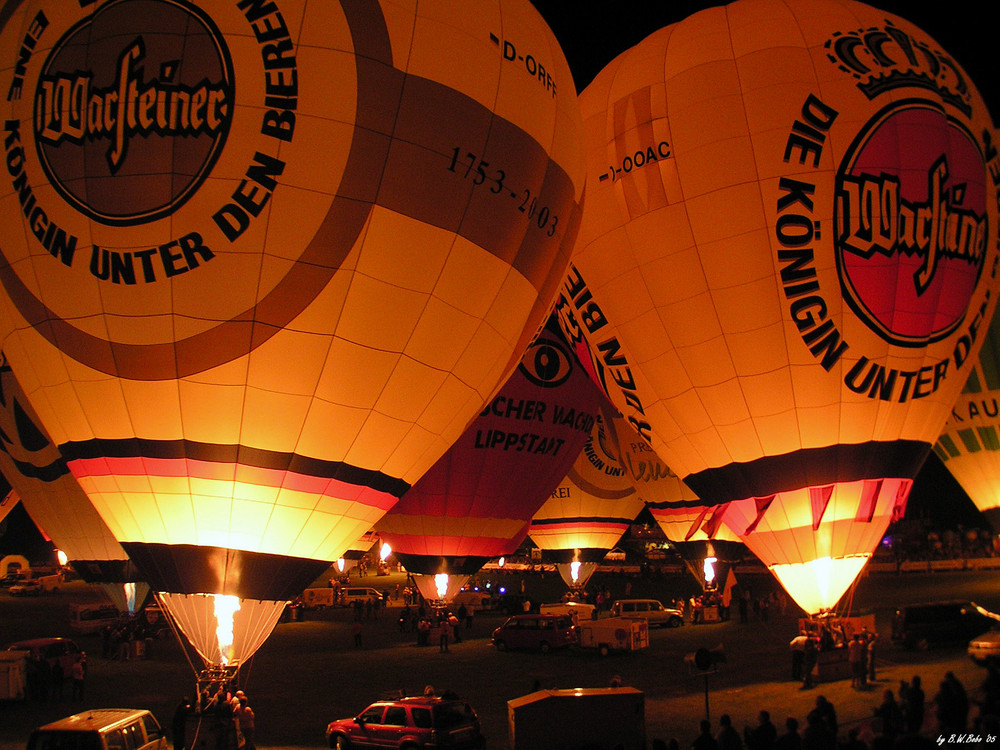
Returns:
(613, 634)
(318, 598)
(579, 719)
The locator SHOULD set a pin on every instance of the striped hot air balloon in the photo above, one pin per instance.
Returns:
(786, 265)
(263, 262)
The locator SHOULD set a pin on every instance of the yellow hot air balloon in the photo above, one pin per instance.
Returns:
(786, 265)
(591, 509)
(262, 262)
(969, 446)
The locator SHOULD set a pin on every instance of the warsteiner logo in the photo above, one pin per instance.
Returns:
(128, 134)
(912, 230)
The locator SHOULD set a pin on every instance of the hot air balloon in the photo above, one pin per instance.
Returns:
(969, 446)
(476, 502)
(38, 474)
(591, 509)
(261, 265)
(786, 266)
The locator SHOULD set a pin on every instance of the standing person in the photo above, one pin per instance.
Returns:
(247, 721)
(356, 630)
(913, 706)
(872, 638)
(810, 656)
(728, 738)
(444, 630)
(79, 674)
(890, 715)
(764, 735)
(827, 713)
(856, 657)
(705, 740)
(58, 677)
(178, 725)
(791, 739)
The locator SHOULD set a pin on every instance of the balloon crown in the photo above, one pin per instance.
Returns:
(888, 58)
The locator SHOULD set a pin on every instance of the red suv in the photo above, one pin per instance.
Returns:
(426, 722)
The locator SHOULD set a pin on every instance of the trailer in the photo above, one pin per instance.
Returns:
(613, 634)
(578, 719)
(318, 598)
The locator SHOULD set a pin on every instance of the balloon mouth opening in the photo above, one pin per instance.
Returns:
(817, 585)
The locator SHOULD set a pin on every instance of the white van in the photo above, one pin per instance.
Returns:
(101, 729)
(351, 594)
(658, 615)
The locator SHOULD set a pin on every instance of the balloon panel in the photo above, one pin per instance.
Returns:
(256, 301)
(594, 504)
(36, 470)
(475, 503)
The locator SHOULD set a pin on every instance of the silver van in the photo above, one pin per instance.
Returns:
(650, 609)
(101, 729)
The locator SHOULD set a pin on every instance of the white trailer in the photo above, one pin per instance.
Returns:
(613, 634)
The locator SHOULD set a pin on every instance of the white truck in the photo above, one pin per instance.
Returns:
(613, 634)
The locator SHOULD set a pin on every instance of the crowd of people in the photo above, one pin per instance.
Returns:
(220, 719)
(904, 718)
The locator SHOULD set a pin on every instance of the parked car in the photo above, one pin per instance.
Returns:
(424, 722)
(31, 587)
(984, 649)
(922, 626)
(61, 650)
(537, 632)
(101, 729)
(352, 594)
(651, 609)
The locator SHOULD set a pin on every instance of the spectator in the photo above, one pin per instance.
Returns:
(791, 739)
(764, 735)
(826, 712)
(913, 706)
(178, 726)
(79, 674)
(728, 738)
(890, 716)
(705, 740)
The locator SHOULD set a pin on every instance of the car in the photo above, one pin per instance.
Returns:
(30, 587)
(352, 594)
(922, 626)
(417, 723)
(538, 632)
(651, 609)
(102, 729)
(984, 649)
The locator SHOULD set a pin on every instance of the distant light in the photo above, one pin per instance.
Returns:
(502, 561)
(62, 557)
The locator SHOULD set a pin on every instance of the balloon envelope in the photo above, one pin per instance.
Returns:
(262, 264)
(969, 446)
(476, 502)
(786, 258)
(591, 509)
